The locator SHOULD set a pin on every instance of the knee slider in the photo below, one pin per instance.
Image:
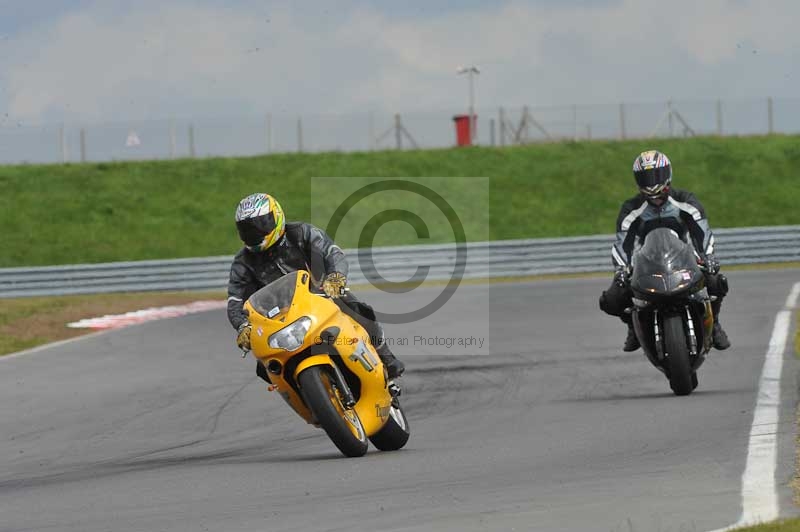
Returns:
(717, 285)
(605, 305)
(723, 285)
(367, 311)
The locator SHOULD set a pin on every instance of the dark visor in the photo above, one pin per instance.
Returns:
(253, 230)
(652, 177)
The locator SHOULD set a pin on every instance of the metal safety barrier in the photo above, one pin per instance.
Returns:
(437, 262)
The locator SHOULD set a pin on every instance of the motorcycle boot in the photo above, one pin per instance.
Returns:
(631, 341)
(394, 367)
(719, 337)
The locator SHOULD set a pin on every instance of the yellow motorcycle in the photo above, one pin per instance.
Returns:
(321, 362)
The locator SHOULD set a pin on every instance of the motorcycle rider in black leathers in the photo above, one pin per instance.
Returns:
(659, 205)
(274, 248)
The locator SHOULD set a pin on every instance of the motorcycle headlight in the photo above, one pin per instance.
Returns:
(292, 336)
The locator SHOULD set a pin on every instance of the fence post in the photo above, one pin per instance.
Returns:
(172, 141)
(589, 131)
(622, 121)
(491, 132)
(62, 143)
(83, 145)
(268, 131)
(575, 123)
(669, 118)
(719, 117)
(502, 115)
(192, 152)
(770, 123)
(523, 126)
(371, 131)
(398, 131)
(299, 134)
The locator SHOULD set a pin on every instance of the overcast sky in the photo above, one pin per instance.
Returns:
(99, 61)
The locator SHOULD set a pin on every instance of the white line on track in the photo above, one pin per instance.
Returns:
(759, 490)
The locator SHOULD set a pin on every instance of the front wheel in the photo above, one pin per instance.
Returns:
(324, 399)
(680, 367)
(395, 432)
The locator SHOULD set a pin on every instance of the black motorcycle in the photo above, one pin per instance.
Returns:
(671, 310)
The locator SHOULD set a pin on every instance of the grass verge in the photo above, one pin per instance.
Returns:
(796, 481)
(76, 213)
(784, 525)
(797, 337)
(30, 322)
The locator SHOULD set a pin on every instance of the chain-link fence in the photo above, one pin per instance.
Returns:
(282, 133)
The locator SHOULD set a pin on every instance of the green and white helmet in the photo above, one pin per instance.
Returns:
(260, 221)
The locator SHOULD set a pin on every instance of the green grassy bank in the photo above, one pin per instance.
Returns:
(788, 525)
(59, 214)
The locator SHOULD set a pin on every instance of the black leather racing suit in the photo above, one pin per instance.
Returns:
(682, 213)
(303, 247)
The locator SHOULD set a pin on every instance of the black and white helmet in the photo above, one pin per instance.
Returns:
(653, 173)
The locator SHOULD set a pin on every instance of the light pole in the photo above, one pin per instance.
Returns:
(471, 71)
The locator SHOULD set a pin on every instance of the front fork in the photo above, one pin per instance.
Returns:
(652, 345)
(657, 335)
(348, 400)
(690, 326)
(692, 335)
(700, 319)
(655, 350)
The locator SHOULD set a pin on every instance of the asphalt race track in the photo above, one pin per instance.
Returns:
(163, 426)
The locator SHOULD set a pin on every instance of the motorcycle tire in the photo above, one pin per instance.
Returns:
(680, 368)
(395, 433)
(342, 425)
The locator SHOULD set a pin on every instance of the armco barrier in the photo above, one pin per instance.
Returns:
(503, 258)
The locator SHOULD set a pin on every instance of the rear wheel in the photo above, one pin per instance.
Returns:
(342, 424)
(395, 433)
(680, 368)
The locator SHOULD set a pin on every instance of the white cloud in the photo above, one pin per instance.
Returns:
(185, 59)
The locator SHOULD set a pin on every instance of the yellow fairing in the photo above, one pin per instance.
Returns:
(373, 405)
(349, 340)
(315, 360)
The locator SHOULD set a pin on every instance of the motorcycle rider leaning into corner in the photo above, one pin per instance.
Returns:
(273, 248)
(659, 205)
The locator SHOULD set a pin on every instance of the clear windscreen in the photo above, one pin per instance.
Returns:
(276, 295)
(664, 264)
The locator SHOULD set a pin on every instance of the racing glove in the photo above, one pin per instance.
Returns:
(243, 337)
(711, 264)
(622, 277)
(334, 284)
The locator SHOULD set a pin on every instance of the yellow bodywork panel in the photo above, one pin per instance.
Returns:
(330, 332)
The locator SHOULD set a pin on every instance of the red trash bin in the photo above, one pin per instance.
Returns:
(463, 131)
